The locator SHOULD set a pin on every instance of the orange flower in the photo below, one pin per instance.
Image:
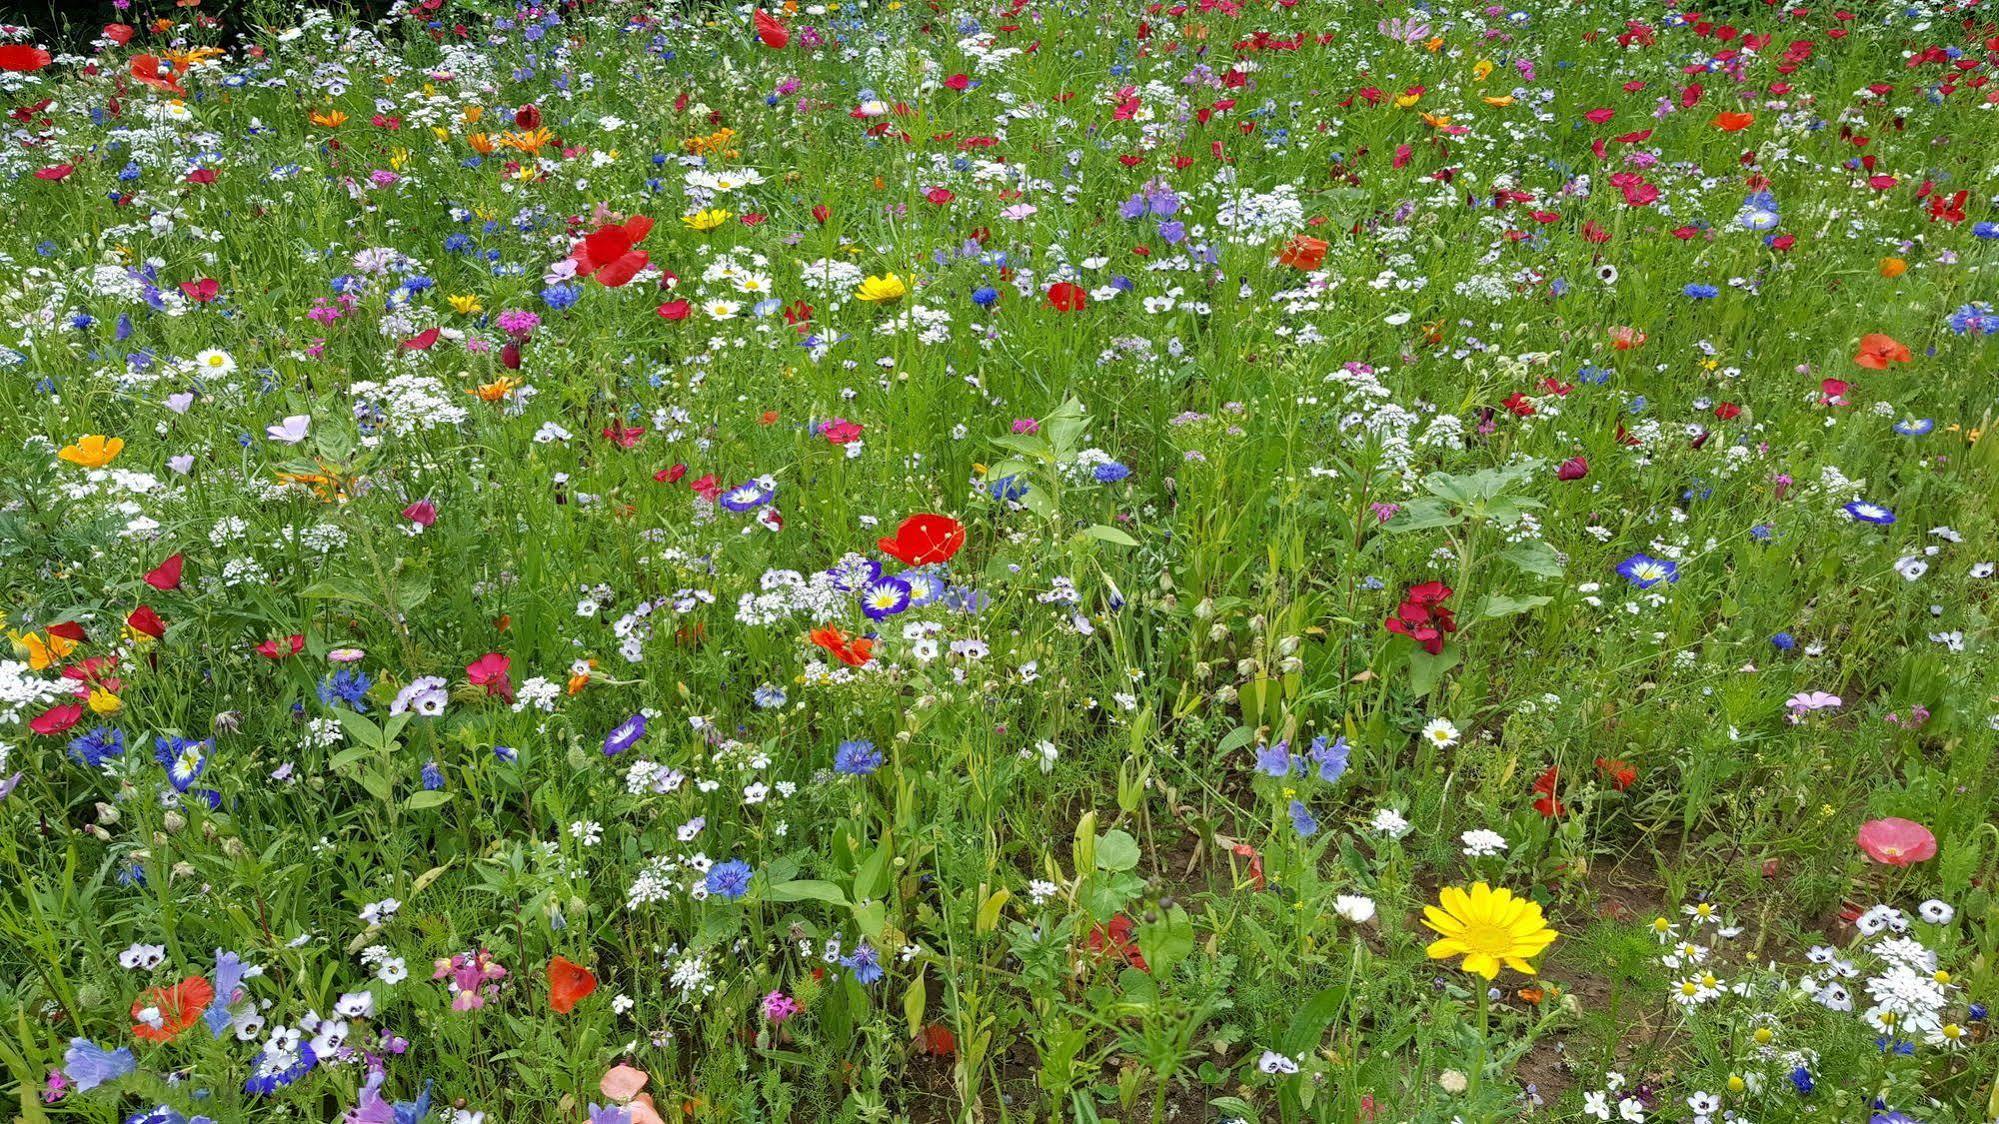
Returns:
(157, 73)
(1733, 122)
(1892, 268)
(854, 651)
(1877, 351)
(1304, 253)
(1624, 339)
(327, 118)
(161, 1014)
(568, 984)
(480, 143)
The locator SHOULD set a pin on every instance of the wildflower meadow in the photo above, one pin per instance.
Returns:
(1264, 561)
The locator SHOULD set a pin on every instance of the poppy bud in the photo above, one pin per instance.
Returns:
(1575, 468)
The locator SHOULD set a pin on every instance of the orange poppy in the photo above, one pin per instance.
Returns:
(1624, 338)
(159, 1015)
(854, 651)
(1877, 351)
(1733, 122)
(1892, 268)
(568, 984)
(1304, 252)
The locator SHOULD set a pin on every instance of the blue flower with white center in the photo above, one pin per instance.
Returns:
(183, 759)
(925, 587)
(1645, 571)
(624, 735)
(1915, 427)
(1865, 512)
(748, 496)
(884, 597)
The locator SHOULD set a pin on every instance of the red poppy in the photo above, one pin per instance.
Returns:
(936, 1040)
(568, 984)
(609, 252)
(1544, 787)
(527, 117)
(1067, 296)
(68, 630)
(21, 58)
(56, 172)
(1304, 252)
(119, 33)
(925, 539)
(165, 577)
(157, 73)
(675, 310)
(422, 340)
(1621, 774)
(144, 619)
(854, 651)
(490, 671)
(1117, 937)
(1733, 122)
(770, 32)
(201, 290)
(1877, 351)
(278, 649)
(1575, 468)
(175, 1009)
(1896, 841)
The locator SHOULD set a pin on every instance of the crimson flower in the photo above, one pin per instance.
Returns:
(490, 671)
(609, 253)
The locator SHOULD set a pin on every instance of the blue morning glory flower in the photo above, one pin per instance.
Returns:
(1865, 512)
(1645, 571)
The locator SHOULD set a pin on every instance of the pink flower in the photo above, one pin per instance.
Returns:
(1896, 841)
(422, 513)
(490, 671)
(777, 1006)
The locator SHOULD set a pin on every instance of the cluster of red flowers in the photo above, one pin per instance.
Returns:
(1423, 618)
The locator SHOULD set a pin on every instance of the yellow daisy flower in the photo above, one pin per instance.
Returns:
(1487, 927)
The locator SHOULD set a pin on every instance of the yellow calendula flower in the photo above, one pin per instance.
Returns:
(1502, 101)
(705, 221)
(1404, 101)
(497, 390)
(464, 304)
(1488, 928)
(93, 451)
(1482, 70)
(1436, 120)
(877, 289)
(104, 702)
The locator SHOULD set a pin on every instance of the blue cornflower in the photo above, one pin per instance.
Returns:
(856, 758)
(1801, 1080)
(1007, 488)
(1701, 292)
(985, 296)
(624, 735)
(864, 963)
(1865, 512)
(730, 880)
(346, 686)
(1763, 532)
(1783, 642)
(1110, 472)
(1974, 319)
(768, 696)
(98, 746)
(1985, 229)
(1645, 571)
(1301, 819)
(559, 297)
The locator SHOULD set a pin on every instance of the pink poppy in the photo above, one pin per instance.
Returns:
(1896, 841)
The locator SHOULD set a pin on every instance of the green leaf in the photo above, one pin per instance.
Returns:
(1534, 557)
(912, 1005)
(1108, 534)
(1309, 1024)
(428, 798)
(1116, 850)
(1425, 670)
(1236, 739)
(1502, 605)
(1167, 941)
(1422, 515)
(807, 889)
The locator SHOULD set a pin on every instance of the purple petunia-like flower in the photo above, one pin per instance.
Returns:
(91, 1065)
(624, 735)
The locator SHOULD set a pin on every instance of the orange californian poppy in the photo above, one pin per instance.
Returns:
(159, 1015)
(1304, 253)
(568, 984)
(1892, 268)
(1877, 351)
(854, 651)
(1733, 122)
